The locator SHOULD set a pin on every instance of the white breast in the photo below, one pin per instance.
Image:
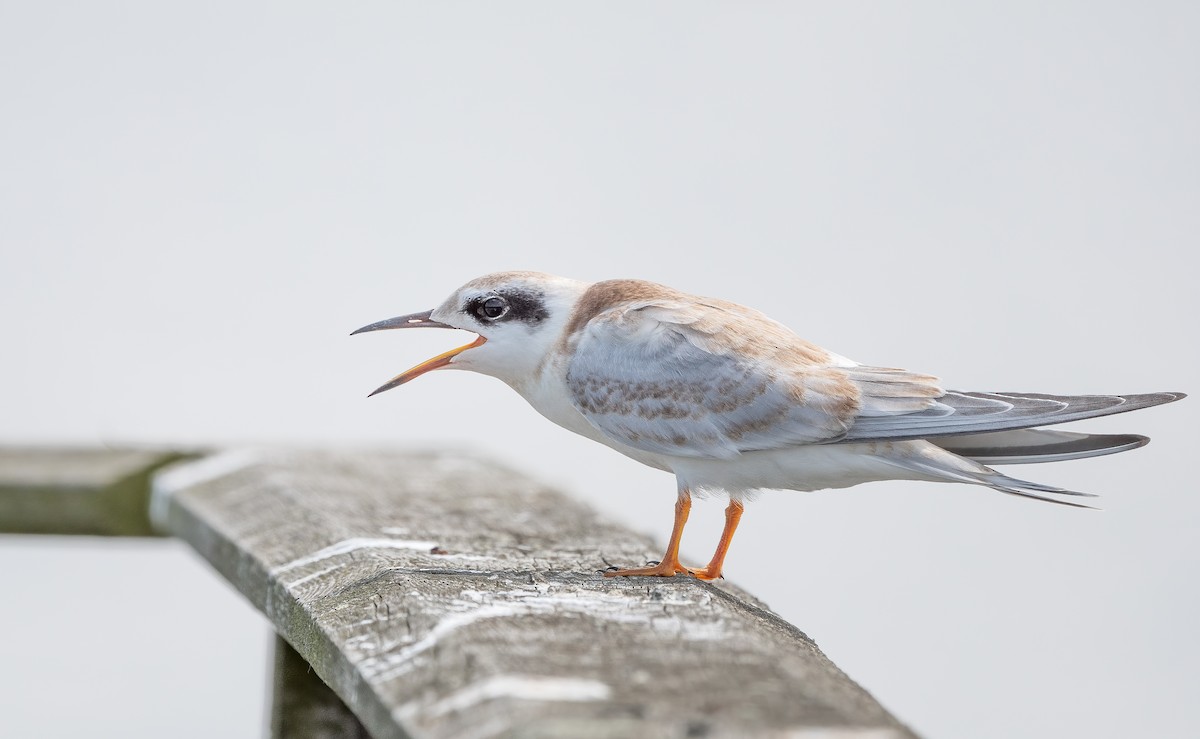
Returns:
(547, 393)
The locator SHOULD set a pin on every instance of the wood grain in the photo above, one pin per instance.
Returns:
(444, 596)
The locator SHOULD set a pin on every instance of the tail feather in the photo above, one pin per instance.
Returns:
(1024, 488)
(1046, 498)
(1027, 446)
(935, 463)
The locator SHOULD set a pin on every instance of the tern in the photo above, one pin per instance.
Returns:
(732, 402)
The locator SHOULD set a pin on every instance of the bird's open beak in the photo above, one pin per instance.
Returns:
(416, 320)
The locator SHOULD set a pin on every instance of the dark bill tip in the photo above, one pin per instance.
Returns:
(388, 386)
(412, 320)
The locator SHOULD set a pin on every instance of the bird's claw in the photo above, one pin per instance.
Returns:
(702, 573)
(655, 569)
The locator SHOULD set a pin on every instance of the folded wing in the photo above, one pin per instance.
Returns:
(957, 413)
(712, 379)
(694, 377)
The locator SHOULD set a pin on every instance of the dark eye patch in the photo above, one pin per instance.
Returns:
(509, 304)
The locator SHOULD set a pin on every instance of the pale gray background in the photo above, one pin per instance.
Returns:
(199, 203)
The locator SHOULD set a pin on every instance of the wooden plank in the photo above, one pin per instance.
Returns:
(78, 491)
(443, 596)
(303, 706)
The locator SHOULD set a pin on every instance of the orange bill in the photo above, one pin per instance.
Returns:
(423, 319)
(429, 365)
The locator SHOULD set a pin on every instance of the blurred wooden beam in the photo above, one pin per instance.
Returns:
(102, 492)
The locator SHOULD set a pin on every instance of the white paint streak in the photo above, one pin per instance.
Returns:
(466, 557)
(347, 546)
(178, 477)
(315, 575)
(394, 665)
(471, 608)
(513, 687)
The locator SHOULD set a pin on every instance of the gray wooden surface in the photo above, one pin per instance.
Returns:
(442, 596)
(303, 706)
(77, 491)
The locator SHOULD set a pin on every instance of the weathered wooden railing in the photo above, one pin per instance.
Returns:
(443, 596)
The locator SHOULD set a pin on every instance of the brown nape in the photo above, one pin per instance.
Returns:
(610, 293)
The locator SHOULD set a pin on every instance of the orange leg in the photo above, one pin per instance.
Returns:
(669, 566)
(733, 514)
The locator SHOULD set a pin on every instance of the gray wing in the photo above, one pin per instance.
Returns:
(701, 378)
(709, 381)
(958, 413)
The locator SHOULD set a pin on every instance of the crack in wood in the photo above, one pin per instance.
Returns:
(531, 645)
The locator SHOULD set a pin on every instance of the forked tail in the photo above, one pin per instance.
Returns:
(932, 461)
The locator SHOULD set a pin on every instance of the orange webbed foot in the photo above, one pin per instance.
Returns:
(704, 573)
(662, 569)
(669, 566)
(666, 569)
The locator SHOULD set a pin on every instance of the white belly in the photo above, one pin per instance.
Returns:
(806, 468)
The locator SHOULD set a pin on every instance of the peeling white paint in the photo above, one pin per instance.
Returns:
(314, 575)
(345, 546)
(394, 665)
(511, 687)
(617, 608)
(466, 557)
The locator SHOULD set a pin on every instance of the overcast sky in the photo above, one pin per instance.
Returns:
(199, 202)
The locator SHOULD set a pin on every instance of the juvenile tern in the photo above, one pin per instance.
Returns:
(731, 401)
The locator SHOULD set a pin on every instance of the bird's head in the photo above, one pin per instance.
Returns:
(518, 316)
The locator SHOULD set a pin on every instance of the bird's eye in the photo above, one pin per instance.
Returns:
(492, 308)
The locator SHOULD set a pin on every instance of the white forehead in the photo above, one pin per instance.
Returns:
(551, 290)
(532, 281)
